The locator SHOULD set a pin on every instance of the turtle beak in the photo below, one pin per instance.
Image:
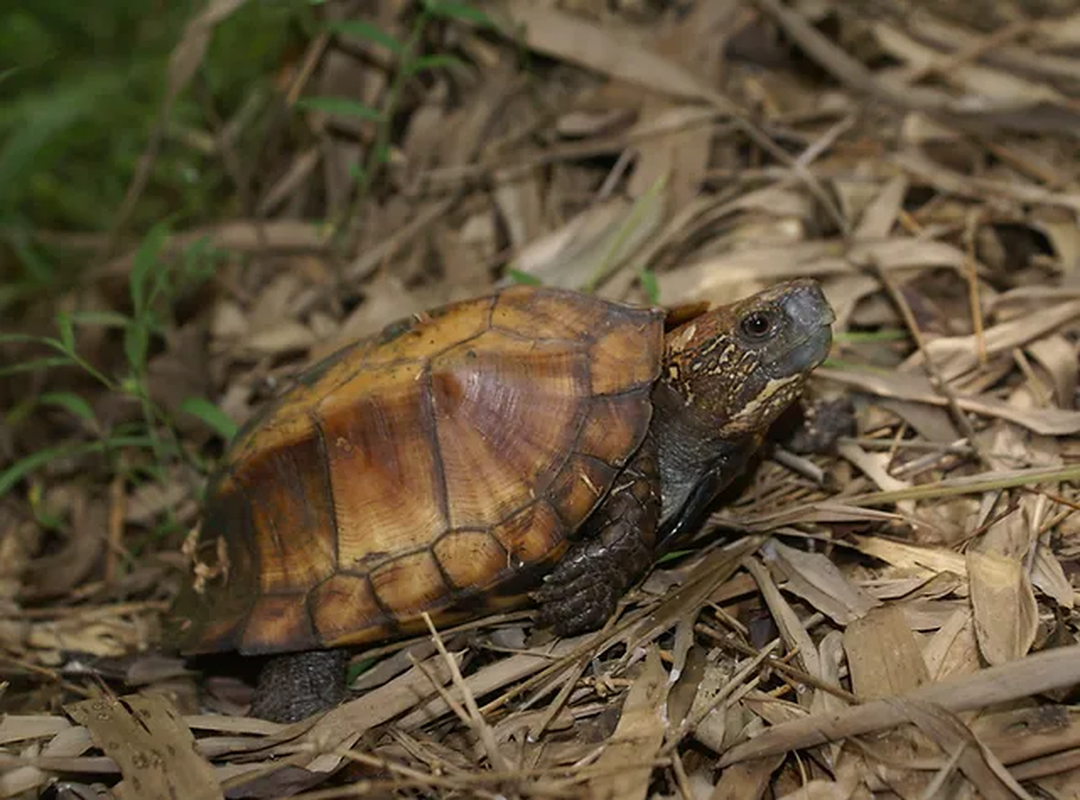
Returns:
(810, 317)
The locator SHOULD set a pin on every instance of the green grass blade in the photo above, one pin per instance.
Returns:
(365, 30)
(462, 12)
(70, 402)
(213, 416)
(341, 106)
(36, 364)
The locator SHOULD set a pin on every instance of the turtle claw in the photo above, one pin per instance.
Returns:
(582, 607)
(583, 591)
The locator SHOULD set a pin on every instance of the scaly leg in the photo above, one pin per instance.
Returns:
(619, 538)
(296, 685)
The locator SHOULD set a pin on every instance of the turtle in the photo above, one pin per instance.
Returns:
(534, 445)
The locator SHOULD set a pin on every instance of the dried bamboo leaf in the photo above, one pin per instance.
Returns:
(1006, 614)
(1024, 733)
(956, 355)
(953, 650)
(883, 658)
(1058, 356)
(819, 258)
(879, 218)
(492, 677)
(155, 750)
(795, 635)
(977, 763)
(1047, 421)
(18, 727)
(747, 780)
(820, 582)
(570, 38)
(933, 560)
(1048, 576)
(1023, 115)
(637, 739)
(1033, 674)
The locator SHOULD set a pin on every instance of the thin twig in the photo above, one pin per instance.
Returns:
(478, 723)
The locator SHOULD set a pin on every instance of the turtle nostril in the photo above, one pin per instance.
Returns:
(807, 307)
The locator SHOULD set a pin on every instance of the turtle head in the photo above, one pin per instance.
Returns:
(737, 367)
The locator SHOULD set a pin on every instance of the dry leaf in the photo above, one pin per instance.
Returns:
(819, 581)
(570, 38)
(637, 738)
(155, 750)
(883, 657)
(1006, 614)
(1031, 675)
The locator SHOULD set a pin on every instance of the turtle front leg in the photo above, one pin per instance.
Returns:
(294, 686)
(582, 592)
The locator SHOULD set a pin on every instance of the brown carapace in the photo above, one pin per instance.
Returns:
(450, 463)
(433, 462)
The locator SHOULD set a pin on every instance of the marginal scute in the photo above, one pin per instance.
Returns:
(345, 611)
(533, 534)
(432, 333)
(410, 584)
(331, 371)
(628, 354)
(277, 618)
(209, 621)
(471, 560)
(615, 425)
(580, 485)
(288, 424)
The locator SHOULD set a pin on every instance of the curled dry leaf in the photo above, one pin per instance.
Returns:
(820, 582)
(1006, 614)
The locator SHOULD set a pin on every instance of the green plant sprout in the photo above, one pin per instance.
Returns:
(408, 65)
(153, 289)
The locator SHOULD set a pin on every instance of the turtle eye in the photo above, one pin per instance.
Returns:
(756, 325)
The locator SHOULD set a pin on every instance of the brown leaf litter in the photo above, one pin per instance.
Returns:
(896, 619)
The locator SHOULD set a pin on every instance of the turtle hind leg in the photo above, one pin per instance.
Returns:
(294, 686)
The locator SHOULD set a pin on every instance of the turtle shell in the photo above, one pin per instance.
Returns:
(434, 467)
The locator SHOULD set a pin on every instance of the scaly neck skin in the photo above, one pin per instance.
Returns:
(726, 376)
(694, 458)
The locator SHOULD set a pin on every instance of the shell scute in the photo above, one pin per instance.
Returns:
(277, 618)
(292, 519)
(556, 314)
(385, 472)
(613, 428)
(533, 534)
(579, 488)
(409, 584)
(471, 560)
(345, 611)
(425, 335)
(628, 353)
(212, 617)
(507, 411)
